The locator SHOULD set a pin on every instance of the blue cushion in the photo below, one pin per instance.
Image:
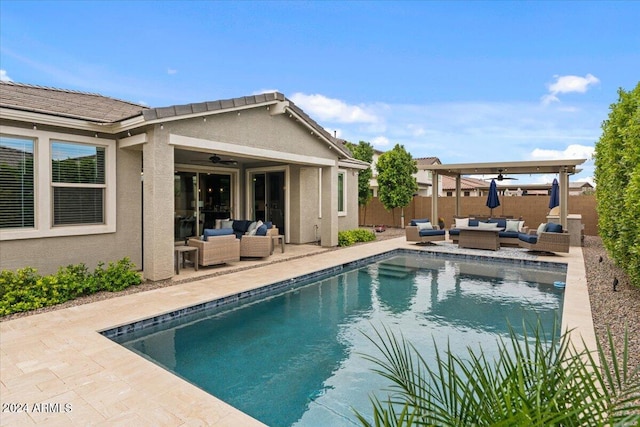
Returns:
(211, 232)
(454, 232)
(262, 230)
(513, 234)
(473, 222)
(553, 228)
(241, 225)
(502, 222)
(431, 232)
(416, 221)
(269, 225)
(529, 238)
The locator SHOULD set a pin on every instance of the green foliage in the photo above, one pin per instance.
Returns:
(617, 175)
(349, 237)
(531, 382)
(363, 151)
(26, 290)
(396, 183)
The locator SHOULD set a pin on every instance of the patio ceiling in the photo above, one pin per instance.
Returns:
(568, 166)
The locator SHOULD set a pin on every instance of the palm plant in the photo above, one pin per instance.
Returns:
(532, 381)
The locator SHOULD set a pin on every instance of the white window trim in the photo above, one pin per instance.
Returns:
(343, 172)
(43, 209)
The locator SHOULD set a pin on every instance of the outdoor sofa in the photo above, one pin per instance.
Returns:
(549, 237)
(422, 231)
(508, 236)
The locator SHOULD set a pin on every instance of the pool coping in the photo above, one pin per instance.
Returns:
(60, 359)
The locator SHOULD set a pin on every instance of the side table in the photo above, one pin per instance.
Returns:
(277, 239)
(180, 252)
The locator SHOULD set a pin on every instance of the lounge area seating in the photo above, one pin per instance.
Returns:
(549, 237)
(508, 236)
(254, 236)
(422, 231)
(217, 249)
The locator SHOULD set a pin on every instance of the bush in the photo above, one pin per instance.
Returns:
(349, 237)
(26, 290)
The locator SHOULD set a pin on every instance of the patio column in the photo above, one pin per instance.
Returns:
(434, 198)
(458, 188)
(564, 197)
(158, 207)
(329, 223)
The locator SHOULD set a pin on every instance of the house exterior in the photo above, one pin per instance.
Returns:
(88, 178)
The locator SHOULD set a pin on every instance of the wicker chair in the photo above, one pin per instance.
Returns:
(413, 234)
(217, 250)
(258, 246)
(545, 242)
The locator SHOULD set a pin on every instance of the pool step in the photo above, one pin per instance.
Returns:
(396, 270)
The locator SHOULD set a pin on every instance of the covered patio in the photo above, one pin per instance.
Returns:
(504, 170)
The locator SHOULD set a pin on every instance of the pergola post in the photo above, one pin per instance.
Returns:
(434, 197)
(564, 197)
(458, 188)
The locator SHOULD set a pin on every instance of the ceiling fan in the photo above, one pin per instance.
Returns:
(501, 177)
(215, 159)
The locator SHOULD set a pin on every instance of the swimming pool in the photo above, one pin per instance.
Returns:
(294, 357)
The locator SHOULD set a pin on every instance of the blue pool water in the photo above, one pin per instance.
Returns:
(295, 358)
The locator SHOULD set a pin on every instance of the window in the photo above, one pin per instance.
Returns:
(78, 183)
(17, 208)
(342, 204)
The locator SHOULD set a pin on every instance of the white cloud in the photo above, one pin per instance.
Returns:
(332, 110)
(573, 151)
(261, 91)
(380, 141)
(4, 77)
(568, 84)
(171, 71)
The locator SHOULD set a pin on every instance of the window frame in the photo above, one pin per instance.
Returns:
(342, 173)
(33, 178)
(43, 186)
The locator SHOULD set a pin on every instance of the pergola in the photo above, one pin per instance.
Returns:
(563, 168)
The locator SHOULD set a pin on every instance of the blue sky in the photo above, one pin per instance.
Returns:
(463, 81)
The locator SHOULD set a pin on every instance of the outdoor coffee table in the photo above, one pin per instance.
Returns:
(180, 252)
(278, 239)
(479, 238)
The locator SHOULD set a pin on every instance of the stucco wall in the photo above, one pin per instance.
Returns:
(48, 254)
(254, 128)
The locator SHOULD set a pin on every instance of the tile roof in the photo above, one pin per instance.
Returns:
(66, 103)
(449, 183)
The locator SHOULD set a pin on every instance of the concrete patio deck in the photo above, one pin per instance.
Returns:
(56, 369)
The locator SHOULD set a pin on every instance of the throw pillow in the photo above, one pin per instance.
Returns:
(262, 230)
(513, 225)
(541, 228)
(462, 222)
(226, 223)
(251, 231)
(487, 225)
(424, 226)
(219, 223)
(553, 228)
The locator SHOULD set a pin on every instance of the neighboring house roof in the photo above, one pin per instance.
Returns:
(66, 103)
(449, 183)
(423, 161)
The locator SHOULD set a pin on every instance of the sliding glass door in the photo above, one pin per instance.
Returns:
(268, 198)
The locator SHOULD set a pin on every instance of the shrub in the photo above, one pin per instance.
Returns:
(349, 237)
(26, 290)
(530, 382)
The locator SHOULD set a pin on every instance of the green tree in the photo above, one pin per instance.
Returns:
(396, 183)
(363, 151)
(617, 176)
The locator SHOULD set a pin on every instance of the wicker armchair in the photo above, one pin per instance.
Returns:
(546, 242)
(413, 234)
(217, 250)
(257, 246)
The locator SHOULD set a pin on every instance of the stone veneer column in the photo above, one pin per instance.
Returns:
(158, 206)
(329, 229)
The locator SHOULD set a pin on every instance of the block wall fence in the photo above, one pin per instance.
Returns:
(532, 209)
